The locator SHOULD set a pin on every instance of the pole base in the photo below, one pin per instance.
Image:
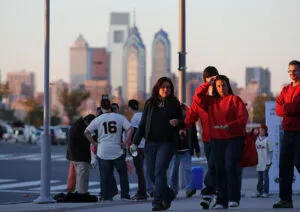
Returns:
(44, 200)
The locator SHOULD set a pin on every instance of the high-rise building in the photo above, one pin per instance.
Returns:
(80, 62)
(21, 83)
(118, 33)
(161, 57)
(261, 76)
(193, 80)
(100, 64)
(134, 66)
(96, 88)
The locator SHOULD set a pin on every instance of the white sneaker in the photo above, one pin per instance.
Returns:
(265, 195)
(233, 204)
(219, 206)
(257, 194)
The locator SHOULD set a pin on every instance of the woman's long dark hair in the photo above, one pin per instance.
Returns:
(222, 78)
(155, 98)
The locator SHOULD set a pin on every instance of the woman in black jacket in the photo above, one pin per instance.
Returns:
(79, 153)
(159, 126)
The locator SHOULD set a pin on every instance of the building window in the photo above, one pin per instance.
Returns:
(118, 36)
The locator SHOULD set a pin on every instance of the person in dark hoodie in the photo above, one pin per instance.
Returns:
(160, 124)
(187, 145)
(78, 152)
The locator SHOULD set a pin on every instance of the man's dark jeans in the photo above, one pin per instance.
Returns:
(227, 153)
(210, 176)
(263, 182)
(107, 168)
(114, 188)
(158, 157)
(289, 157)
(138, 162)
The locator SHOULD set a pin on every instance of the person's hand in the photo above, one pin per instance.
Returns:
(182, 132)
(133, 147)
(211, 80)
(198, 154)
(124, 145)
(269, 165)
(174, 122)
(223, 127)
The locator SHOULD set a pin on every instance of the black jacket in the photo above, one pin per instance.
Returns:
(190, 141)
(78, 145)
(171, 134)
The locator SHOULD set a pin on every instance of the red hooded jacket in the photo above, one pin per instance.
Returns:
(229, 110)
(194, 113)
(288, 107)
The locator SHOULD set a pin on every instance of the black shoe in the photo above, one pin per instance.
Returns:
(166, 206)
(139, 197)
(151, 193)
(205, 203)
(159, 207)
(190, 192)
(283, 204)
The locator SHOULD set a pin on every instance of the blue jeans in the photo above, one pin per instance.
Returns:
(263, 182)
(289, 157)
(107, 167)
(227, 153)
(186, 160)
(210, 176)
(158, 157)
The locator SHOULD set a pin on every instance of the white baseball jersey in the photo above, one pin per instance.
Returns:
(264, 150)
(109, 127)
(135, 121)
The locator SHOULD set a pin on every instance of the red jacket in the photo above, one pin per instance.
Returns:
(288, 107)
(229, 110)
(194, 113)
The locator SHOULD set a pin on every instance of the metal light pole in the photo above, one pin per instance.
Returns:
(182, 67)
(46, 142)
(182, 53)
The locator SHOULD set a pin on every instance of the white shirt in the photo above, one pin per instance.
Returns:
(135, 121)
(264, 150)
(109, 127)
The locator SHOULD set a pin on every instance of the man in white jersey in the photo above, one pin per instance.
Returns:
(110, 152)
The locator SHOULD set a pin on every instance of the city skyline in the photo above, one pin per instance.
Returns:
(231, 35)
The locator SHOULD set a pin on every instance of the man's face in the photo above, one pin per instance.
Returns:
(294, 72)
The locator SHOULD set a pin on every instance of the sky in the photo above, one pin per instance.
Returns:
(229, 34)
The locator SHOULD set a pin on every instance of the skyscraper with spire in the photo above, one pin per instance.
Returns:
(161, 57)
(134, 66)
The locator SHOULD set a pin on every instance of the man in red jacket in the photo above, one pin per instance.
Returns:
(288, 107)
(191, 117)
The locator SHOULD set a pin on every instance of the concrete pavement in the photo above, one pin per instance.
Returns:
(180, 204)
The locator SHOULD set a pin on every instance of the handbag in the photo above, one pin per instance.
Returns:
(249, 155)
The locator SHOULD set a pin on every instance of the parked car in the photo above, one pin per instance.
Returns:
(18, 135)
(65, 129)
(7, 132)
(57, 135)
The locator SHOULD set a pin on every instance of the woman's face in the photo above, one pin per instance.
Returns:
(165, 90)
(222, 87)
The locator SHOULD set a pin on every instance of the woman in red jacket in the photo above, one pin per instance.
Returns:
(227, 118)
